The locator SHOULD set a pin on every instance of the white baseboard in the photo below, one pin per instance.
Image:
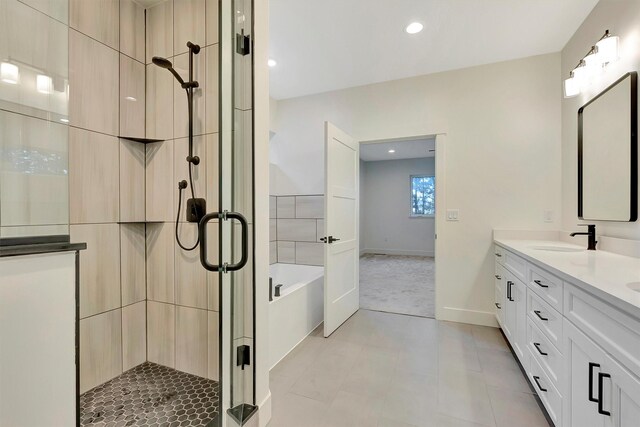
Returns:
(264, 412)
(452, 314)
(397, 252)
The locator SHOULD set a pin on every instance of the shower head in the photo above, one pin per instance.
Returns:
(165, 63)
(162, 62)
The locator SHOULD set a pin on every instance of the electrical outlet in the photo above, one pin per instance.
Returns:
(548, 216)
(453, 214)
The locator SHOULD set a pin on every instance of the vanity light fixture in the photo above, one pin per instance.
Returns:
(604, 52)
(392, 151)
(44, 84)
(9, 73)
(414, 28)
(272, 63)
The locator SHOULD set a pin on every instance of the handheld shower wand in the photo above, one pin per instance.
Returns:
(196, 208)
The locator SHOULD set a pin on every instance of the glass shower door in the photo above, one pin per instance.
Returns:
(235, 214)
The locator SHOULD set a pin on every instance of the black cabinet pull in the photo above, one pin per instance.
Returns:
(591, 366)
(539, 283)
(498, 305)
(509, 285)
(498, 277)
(498, 255)
(537, 346)
(537, 312)
(537, 380)
(601, 377)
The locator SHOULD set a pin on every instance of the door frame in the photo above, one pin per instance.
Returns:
(440, 216)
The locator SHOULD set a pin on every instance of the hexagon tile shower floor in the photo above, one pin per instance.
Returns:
(151, 395)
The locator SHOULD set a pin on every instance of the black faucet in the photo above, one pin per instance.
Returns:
(592, 236)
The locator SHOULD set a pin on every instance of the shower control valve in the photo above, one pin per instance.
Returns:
(193, 159)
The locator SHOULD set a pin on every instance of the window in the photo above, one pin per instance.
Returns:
(423, 195)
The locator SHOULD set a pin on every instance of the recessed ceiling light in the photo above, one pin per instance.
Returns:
(272, 63)
(414, 28)
(392, 151)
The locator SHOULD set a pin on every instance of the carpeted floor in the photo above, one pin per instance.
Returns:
(398, 284)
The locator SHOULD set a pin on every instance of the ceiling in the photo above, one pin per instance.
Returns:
(335, 44)
(408, 149)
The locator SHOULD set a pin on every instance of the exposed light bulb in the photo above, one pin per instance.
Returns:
(9, 73)
(414, 28)
(44, 84)
(272, 63)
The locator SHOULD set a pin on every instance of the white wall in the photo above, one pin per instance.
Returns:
(622, 18)
(501, 167)
(386, 224)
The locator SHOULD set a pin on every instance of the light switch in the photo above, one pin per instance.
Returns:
(453, 214)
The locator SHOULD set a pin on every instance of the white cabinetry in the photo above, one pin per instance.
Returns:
(581, 354)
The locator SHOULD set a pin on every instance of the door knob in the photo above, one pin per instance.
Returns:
(329, 239)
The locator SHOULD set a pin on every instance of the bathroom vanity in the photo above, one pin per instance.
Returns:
(572, 317)
(39, 335)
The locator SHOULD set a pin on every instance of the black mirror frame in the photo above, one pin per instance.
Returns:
(633, 197)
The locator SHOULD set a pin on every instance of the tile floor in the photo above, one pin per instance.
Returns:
(388, 370)
(398, 284)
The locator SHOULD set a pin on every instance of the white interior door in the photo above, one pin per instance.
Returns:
(341, 253)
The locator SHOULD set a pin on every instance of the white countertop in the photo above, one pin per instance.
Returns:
(602, 273)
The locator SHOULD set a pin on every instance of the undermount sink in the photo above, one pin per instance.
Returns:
(634, 286)
(557, 248)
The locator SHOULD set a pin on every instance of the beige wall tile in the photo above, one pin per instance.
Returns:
(188, 24)
(160, 30)
(191, 277)
(132, 181)
(99, 19)
(287, 252)
(132, 27)
(320, 229)
(213, 170)
(180, 105)
(298, 230)
(199, 173)
(286, 207)
(93, 84)
(134, 335)
(309, 206)
(93, 177)
(213, 278)
(57, 9)
(99, 267)
(161, 333)
(191, 341)
(213, 337)
(160, 184)
(160, 262)
(132, 97)
(273, 230)
(309, 253)
(211, 11)
(132, 263)
(273, 207)
(211, 89)
(100, 349)
(273, 252)
(159, 103)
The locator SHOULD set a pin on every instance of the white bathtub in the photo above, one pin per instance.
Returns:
(298, 310)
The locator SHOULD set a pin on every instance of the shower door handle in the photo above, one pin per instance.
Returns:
(202, 234)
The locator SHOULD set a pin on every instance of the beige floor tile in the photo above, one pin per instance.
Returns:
(291, 410)
(501, 370)
(490, 338)
(352, 410)
(464, 393)
(509, 406)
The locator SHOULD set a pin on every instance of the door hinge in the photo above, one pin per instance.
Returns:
(243, 355)
(243, 44)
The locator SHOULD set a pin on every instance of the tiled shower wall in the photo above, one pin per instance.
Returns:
(296, 227)
(106, 183)
(182, 306)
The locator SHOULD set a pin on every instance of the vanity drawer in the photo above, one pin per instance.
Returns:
(551, 398)
(547, 286)
(547, 355)
(516, 265)
(546, 318)
(611, 328)
(498, 252)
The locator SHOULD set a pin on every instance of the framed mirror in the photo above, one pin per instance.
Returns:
(608, 153)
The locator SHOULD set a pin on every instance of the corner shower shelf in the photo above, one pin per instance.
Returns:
(141, 140)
